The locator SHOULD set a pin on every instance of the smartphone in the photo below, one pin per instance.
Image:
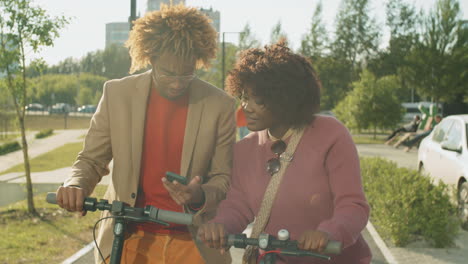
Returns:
(171, 176)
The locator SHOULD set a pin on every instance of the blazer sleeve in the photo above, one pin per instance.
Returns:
(219, 173)
(235, 212)
(93, 161)
(351, 210)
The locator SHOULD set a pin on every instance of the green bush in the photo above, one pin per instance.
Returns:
(407, 206)
(9, 147)
(44, 133)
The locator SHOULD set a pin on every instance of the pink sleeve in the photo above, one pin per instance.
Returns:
(351, 210)
(235, 212)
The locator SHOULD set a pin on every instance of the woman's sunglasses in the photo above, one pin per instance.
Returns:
(274, 165)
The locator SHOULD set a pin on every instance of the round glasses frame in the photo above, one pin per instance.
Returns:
(172, 78)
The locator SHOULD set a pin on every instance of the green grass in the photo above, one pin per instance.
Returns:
(61, 157)
(369, 139)
(41, 122)
(51, 237)
(8, 137)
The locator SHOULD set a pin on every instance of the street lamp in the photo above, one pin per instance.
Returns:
(223, 56)
(132, 16)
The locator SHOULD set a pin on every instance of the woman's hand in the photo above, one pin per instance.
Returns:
(313, 240)
(185, 194)
(213, 235)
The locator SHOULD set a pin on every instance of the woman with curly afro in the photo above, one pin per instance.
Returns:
(165, 119)
(298, 170)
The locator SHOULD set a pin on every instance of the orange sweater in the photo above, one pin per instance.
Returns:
(162, 152)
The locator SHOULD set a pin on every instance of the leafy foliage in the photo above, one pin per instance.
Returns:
(44, 133)
(438, 61)
(406, 206)
(9, 147)
(315, 43)
(24, 28)
(371, 104)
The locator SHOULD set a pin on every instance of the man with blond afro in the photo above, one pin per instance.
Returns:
(165, 119)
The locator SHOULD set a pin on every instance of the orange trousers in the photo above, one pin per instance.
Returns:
(148, 248)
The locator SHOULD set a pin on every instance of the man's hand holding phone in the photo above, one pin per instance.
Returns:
(189, 194)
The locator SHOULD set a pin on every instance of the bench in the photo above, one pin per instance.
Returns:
(407, 135)
(402, 139)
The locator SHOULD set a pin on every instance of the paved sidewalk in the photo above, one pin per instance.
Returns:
(37, 147)
(12, 184)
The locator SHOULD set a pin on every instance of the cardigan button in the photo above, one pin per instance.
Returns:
(133, 195)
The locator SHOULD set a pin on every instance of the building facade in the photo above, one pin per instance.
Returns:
(215, 17)
(117, 33)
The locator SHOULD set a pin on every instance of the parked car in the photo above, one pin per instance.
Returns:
(87, 109)
(60, 108)
(443, 155)
(34, 107)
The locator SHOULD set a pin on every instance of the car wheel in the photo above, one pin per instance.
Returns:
(422, 170)
(463, 204)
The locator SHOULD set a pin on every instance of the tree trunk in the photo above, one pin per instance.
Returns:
(27, 169)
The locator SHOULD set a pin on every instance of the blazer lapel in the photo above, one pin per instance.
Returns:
(194, 114)
(139, 104)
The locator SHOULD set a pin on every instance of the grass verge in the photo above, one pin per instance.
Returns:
(4, 138)
(368, 139)
(63, 156)
(51, 237)
(40, 122)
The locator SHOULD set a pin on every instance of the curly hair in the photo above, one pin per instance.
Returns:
(183, 31)
(286, 82)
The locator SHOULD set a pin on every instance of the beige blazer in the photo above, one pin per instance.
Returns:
(117, 131)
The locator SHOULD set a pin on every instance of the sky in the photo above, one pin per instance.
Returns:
(86, 31)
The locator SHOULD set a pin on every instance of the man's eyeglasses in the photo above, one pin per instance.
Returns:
(172, 78)
(274, 165)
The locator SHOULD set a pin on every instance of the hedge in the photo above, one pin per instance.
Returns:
(44, 133)
(9, 147)
(406, 206)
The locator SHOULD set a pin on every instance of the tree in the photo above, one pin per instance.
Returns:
(402, 21)
(7, 116)
(116, 60)
(371, 104)
(112, 62)
(23, 27)
(93, 62)
(67, 66)
(314, 43)
(246, 39)
(67, 88)
(277, 33)
(355, 40)
(213, 75)
(356, 34)
(336, 76)
(436, 68)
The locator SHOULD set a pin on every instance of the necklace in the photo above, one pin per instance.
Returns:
(285, 136)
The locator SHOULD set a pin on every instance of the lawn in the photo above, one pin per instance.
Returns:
(5, 138)
(51, 237)
(41, 122)
(368, 139)
(63, 156)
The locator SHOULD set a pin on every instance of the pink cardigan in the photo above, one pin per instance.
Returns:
(321, 189)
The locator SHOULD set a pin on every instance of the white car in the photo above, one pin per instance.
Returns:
(443, 155)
